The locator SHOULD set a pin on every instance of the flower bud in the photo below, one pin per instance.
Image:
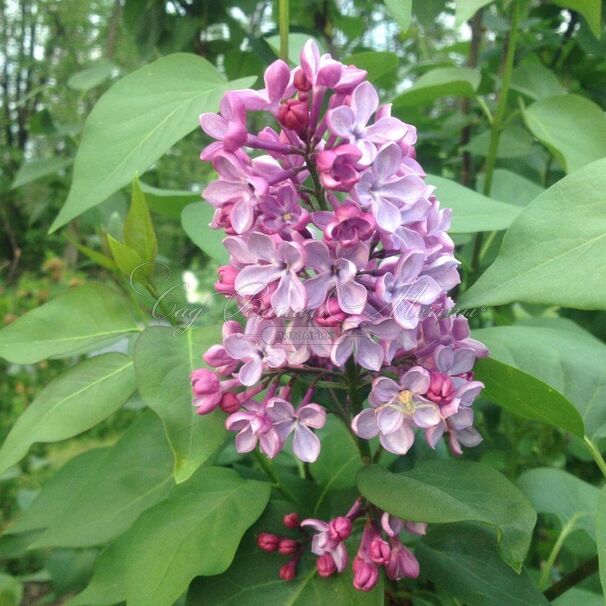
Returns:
(288, 546)
(366, 574)
(227, 278)
(293, 115)
(220, 360)
(289, 571)
(230, 403)
(379, 551)
(301, 82)
(339, 528)
(291, 520)
(268, 542)
(441, 389)
(207, 390)
(326, 565)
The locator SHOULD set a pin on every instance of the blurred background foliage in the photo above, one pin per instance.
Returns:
(57, 57)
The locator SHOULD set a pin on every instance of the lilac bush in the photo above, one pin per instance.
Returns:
(340, 263)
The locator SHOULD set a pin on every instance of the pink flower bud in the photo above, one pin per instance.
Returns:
(300, 81)
(366, 574)
(289, 571)
(227, 277)
(268, 542)
(326, 565)
(441, 389)
(291, 520)
(219, 359)
(288, 546)
(293, 115)
(379, 551)
(230, 403)
(339, 528)
(207, 390)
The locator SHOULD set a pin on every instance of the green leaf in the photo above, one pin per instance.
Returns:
(36, 169)
(339, 460)
(168, 202)
(195, 219)
(139, 231)
(570, 361)
(440, 82)
(511, 188)
(377, 64)
(136, 121)
(92, 314)
(462, 560)
(534, 80)
(575, 596)
(126, 258)
(95, 256)
(74, 402)
(600, 531)
(527, 396)
(92, 76)
(557, 492)
(571, 127)
(590, 9)
(400, 11)
(11, 590)
(196, 531)
(552, 247)
(466, 9)
(164, 359)
(107, 583)
(103, 499)
(472, 212)
(442, 491)
(253, 580)
(514, 142)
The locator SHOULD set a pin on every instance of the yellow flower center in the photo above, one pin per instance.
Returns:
(287, 216)
(405, 399)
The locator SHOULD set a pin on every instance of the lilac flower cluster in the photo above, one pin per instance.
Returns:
(340, 264)
(380, 546)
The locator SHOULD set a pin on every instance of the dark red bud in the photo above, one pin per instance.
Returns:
(289, 571)
(292, 114)
(300, 81)
(291, 520)
(230, 403)
(288, 546)
(268, 542)
(326, 565)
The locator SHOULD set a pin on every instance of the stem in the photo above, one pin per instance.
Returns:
(596, 454)
(585, 570)
(497, 122)
(555, 551)
(352, 374)
(267, 467)
(160, 302)
(495, 132)
(283, 19)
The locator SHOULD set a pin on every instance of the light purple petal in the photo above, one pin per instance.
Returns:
(463, 361)
(342, 349)
(384, 390)
(369, 354)
(427, 415)
(251, 372)
(364, 103)
(240, 347)
(243, 215)
(306, 444)
(262, 247)
(312, 415)
(340, 557)
(364, 424)
(400, 441)
(389, 418)
(246, 441)
(416, 380)
(386, 129)
(256, 278)
(214, 126)
(341, 121)
(352, 297)
(387, 161)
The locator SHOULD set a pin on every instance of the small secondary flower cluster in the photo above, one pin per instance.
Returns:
(340, 263)
(380, 546)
